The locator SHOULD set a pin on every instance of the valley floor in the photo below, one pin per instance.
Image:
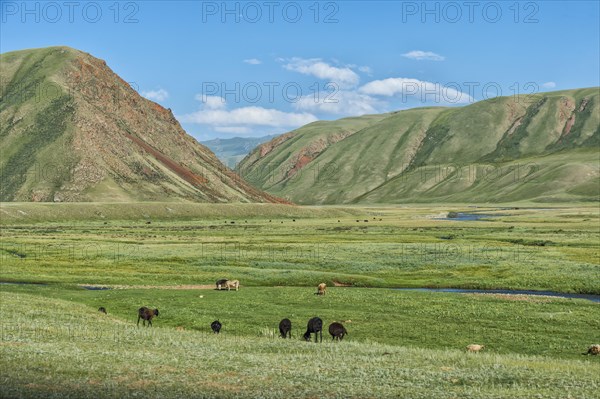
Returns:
(400, 344)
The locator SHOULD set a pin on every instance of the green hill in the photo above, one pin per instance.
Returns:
(72, 130)
(538, 148)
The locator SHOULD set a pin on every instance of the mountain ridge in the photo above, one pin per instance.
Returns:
(73, 130)
(517, 148)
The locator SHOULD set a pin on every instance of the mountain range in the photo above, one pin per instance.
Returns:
(71, 130)
(231, 151)
(542, 147)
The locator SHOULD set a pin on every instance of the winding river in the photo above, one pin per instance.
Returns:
(590, 297)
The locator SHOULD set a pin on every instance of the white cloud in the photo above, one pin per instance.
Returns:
(549, 85)
(322, 70)
(366, 69)
(211, 102)
(342, 102)
(253, 61)
(249, 116)
(244, 117)
(418, 89)
(423, 55)
(156, 95)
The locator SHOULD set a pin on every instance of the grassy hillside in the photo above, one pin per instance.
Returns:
(538, 148)
(72, 130)
(232, 151)
(73, 351)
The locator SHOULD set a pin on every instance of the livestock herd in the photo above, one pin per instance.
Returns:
(314, 325)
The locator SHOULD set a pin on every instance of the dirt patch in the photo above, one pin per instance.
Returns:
(340, 284)
(143, 287)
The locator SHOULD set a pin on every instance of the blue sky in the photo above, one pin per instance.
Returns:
(254, 68)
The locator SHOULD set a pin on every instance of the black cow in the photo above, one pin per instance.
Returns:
(285, 328)
(337, 331)
(315, 325)
(221, 283)
(216, 326)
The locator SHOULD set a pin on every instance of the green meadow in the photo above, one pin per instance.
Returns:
(400, 343)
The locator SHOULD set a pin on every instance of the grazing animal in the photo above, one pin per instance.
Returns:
(314, 326)
(232, 283)
(285, 328)
(221, 283)
(475, 347)
(216, 326)
(102, 309)
(337, 331)
(593, 350)
(321, 288)
(146, 314)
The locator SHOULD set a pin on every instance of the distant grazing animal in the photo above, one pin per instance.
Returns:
(232, 283)
(593, 350)
(321, 288)
(285, 328)
(221, 283)
(337, 331)
(102, 309)
(314, 326)
(216, 326)
(146, 314)
(475, 347)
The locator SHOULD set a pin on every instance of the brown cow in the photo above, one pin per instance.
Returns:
(593, 350)
(321, 288)
(475, 347)
(232, 283)
(146, 314)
